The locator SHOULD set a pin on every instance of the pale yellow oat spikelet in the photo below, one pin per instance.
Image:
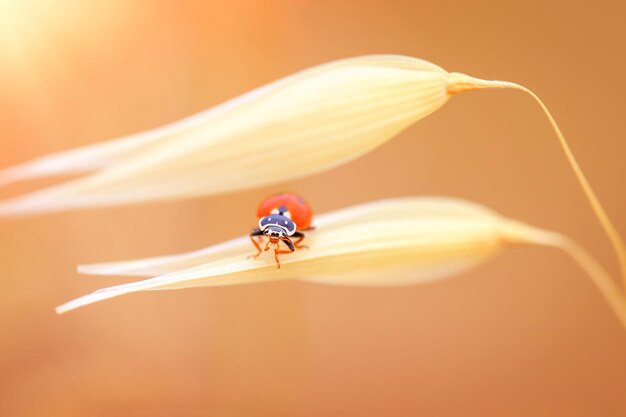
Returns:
(297, 126)
(390, 242)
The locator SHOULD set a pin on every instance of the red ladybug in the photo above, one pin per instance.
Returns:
(301, 213)
(281, 217)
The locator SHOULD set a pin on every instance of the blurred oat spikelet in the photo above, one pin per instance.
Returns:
(304, 123)
(385, 243)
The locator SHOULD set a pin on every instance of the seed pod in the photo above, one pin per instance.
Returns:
(297, 126)
(385, 243)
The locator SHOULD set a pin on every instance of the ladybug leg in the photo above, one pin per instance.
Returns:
(277, 250)
(300, 236)
(256, 232)
(289, 244)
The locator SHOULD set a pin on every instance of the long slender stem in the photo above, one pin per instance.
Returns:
(517, 232)
(461, 82)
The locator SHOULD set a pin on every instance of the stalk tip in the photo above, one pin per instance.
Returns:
(459, 83)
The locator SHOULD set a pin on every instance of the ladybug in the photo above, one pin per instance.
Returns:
(281, 218)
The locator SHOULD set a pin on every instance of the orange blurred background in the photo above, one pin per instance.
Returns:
(525, 335)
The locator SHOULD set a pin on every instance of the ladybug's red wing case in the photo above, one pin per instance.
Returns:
(301, 212)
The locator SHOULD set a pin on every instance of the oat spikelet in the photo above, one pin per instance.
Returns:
(305, 123)
(386, 243)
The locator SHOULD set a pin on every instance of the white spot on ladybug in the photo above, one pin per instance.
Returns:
(286, 222)
(270, 219)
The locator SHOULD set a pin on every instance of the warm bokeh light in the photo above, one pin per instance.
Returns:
(525, 334)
